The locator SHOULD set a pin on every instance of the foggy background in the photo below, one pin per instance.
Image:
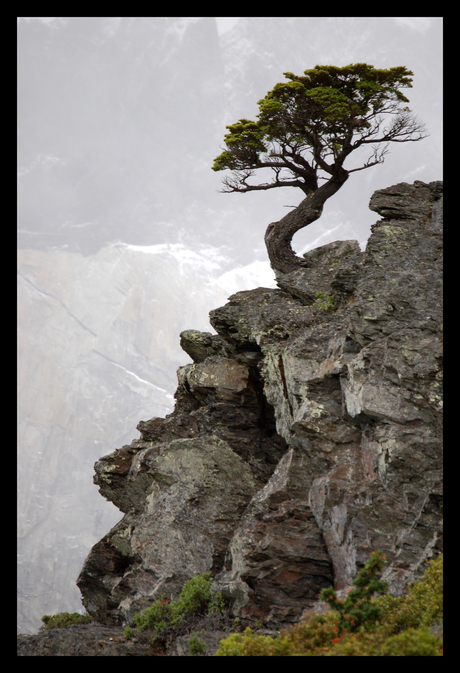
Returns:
(124, 239)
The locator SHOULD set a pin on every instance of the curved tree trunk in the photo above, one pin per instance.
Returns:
(279, 235)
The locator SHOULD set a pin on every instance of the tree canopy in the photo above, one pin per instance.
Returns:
(306, 129)
(310, 124)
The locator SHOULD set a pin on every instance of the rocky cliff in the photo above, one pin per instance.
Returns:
(306, 434)
(97, 350)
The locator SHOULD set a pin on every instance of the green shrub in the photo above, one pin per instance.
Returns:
(195, 645)
(244, 645)
(63, 619)
(356, 644)
(196, 598)
(423, 604)
(357, 607)
(360, 625)
(157, 616)
(310, 637)
(324, 301)
(412, 643)
(409, 643)
(129, 632)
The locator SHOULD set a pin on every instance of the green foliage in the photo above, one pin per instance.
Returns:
(195, 645)
(158, 616)
(63, 619)
(196, 598)
(423, 605)
(357, 607)
(360, 644)
(412, 643)
(129, 632)
(314, 121)
(324, 301)
(310, 637)
(360, 625)
(244, 142)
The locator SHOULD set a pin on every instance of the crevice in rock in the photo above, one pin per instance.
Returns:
(283, 380)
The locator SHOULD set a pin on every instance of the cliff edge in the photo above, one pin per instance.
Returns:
(306, 434)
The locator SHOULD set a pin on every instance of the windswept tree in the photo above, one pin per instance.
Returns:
(306, 129)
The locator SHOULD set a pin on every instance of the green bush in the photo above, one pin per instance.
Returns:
(129, 632)
(361, 624)
(195, 645)
(356, 644)
(412, 643)
(310, 637)
(324, 301)
(357, 607)
(196, 598)
(63, 619)
(244, 645)
(409, 643)
(158, 616)
(423, 604)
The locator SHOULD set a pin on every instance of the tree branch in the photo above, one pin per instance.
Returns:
(235, 184)
(377, 157)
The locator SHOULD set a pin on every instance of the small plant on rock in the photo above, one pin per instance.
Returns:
(195, 645)
(324, 301)
(63, 619)
(357, 607)
(196, 598)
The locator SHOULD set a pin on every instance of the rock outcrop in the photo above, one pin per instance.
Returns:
(97, 351)
(306, 434)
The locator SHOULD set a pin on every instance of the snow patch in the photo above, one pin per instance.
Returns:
(256, 274)
(211, 260)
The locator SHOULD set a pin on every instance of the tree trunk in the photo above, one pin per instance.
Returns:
(279, 235)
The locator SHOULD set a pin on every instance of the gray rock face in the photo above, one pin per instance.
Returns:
(95, 335)
(200, 345)
(404, 201)
(306, 434)
(194, 491)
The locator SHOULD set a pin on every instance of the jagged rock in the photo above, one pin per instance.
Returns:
(91, 343)
(331, 268)
(278, 562)
(404, 201)
(192, 490)
(306, 435)
(200, 345)
(402, 285)
(254, 318)
(219, 380)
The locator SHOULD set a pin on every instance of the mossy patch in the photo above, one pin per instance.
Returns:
(63, 619)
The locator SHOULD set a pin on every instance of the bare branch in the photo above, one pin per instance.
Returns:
(377, 157)
(238, 183)
(404, 127)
